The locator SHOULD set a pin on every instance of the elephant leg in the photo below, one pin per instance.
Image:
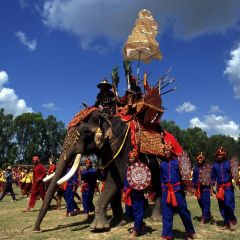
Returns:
(117, 210)
(157, 213)
(100, 221)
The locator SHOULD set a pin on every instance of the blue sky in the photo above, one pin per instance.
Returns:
(53, 53)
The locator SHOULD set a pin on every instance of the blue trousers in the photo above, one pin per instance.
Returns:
(168, 211)
(136, 210)
(69, 198)
(227, 206)
(87, 199)
(205, 204)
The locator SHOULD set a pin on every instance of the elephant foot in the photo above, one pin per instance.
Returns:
(156, 214)
(37, 230)
(100, 222)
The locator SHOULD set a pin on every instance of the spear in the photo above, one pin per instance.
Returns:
(164, 77)
(169, 91)
(170, 81)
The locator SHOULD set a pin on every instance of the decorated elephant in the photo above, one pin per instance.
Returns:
(91, 132)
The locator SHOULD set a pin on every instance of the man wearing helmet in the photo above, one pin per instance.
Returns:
(221, 176)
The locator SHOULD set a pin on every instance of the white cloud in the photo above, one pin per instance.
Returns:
(186, 107)
(3, 78)
(232, 70)
(50, 106)
(9, 100)
(30, 44)
(113, 21)
(214, 124)
(215, 109)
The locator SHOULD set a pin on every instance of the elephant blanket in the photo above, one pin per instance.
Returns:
(80, 116)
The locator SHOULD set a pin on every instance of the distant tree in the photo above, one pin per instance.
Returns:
(194, 141)
(7, 144)
(35, 135)
(53, 137)
(28, 128)
(229, 143)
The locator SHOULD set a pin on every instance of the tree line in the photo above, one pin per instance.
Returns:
(195, 140)
(29, 134)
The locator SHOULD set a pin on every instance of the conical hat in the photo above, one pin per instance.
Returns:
(104, 82)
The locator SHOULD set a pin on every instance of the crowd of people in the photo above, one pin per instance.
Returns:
(171, 182)
(30, 182)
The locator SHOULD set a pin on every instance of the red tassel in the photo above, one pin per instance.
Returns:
(220, 193)
(126, 197)
(198, 192)
(171, 198)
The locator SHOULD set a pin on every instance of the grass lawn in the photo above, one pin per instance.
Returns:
(14, 224)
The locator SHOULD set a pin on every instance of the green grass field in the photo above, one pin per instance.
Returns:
(14, 224)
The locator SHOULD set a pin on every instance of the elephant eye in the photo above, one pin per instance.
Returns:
(86, 134)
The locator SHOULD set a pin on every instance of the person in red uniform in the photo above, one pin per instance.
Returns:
(52, 167)
(38, 188)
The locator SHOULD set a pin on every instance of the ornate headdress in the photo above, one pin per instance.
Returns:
(168, 146)
(200, 156)
(221, 151)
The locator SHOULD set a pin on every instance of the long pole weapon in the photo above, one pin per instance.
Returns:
(169, 91)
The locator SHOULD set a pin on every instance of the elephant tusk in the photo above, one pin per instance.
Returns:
(49, 177)
(72, 170)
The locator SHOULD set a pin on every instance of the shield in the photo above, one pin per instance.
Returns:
(234, 168)
(138, 176)
(184, 166)
(205, 175)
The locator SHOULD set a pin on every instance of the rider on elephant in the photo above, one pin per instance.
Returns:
(106, 99)
(131, 96)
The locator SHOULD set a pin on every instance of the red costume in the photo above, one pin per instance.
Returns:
(38, 188)
(51, 169)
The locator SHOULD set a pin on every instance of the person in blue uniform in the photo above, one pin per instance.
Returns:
(89, 183)
(8, 184)
(221, 176)
(134, 208)
(202, 192)
(71, 185)
(173, 195)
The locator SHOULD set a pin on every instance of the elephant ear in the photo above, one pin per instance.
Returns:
(106, 126)
(108, 133)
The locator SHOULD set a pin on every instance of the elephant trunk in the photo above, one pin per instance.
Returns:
(50, 193)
